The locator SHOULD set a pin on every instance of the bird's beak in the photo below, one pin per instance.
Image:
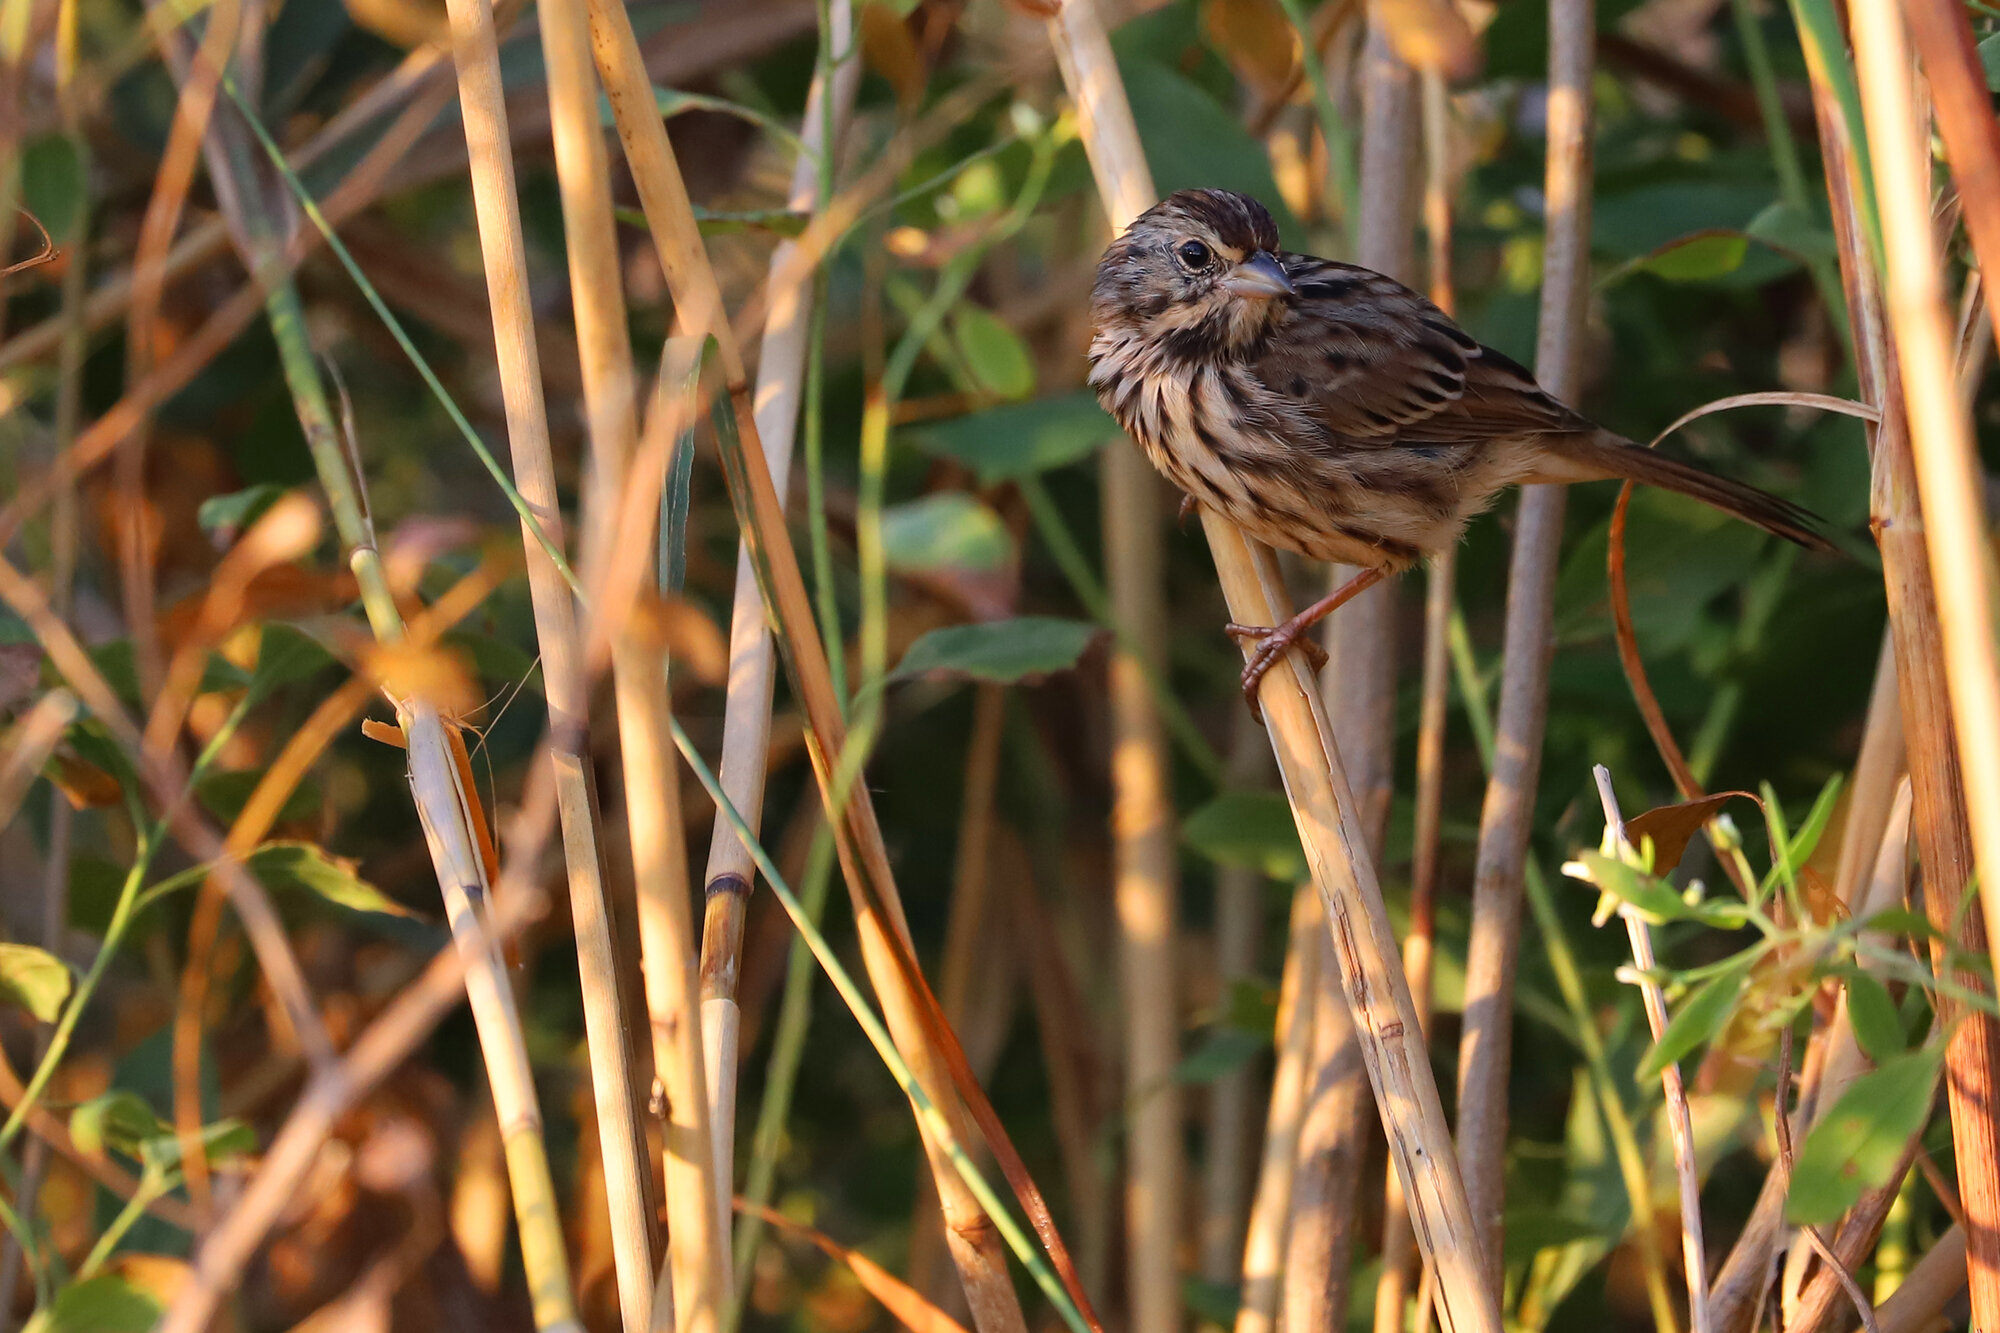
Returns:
(1260, 278)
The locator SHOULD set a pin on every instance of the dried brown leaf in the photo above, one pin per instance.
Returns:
(1257, 41)
(1672, 827)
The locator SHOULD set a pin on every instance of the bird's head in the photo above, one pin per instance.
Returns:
(1199, 270)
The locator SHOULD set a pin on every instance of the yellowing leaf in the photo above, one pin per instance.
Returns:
(890, 50)
(35, 979)
(1430, 35)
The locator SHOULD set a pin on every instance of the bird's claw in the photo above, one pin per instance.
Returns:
(1271, 642)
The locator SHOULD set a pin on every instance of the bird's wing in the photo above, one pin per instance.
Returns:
(1377, 364)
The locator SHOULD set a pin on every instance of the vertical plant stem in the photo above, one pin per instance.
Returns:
(1228, 1144)
(1679, 1125)
(1440, 578)
(1142, 825)
(908, 1006)
(697, 1256)
(792, 325)
(1330, 824)
(1360, 690)
(1942, 447)
(1941, 821)
(1507, 815)
(1271, 1207)
(444, 806)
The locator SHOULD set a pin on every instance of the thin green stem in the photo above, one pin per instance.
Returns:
(1777, 126)
(788, 1044)
(1471, 688)
(885, 1047)
(310, 207)
(123, 913)
(1343, 177)
(826, 593)
(154, 1182)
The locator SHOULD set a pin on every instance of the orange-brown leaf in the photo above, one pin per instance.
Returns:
(685, 634)
(85, 784)
(1258, 41)
(387, 733)
(1671, 827)
(897, 1296)
(891, 51)
(1431, 35)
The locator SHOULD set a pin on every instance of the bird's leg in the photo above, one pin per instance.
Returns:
(1272, 641)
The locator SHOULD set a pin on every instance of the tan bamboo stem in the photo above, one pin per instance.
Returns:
(1941, 824)
(1680, 1125)
(1948, 475)
(1505, 818)
(746, 729)
(1360, 691)
(609, 388)
(1146, 865)
(1271, 1208)
(1328, 820)
(975, 1243)
(1227, 1146)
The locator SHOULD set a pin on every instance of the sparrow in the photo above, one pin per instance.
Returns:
(1327, 409)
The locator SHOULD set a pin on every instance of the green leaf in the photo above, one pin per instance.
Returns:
(118, 1121)
(1008, 443)
(220, 1141)
(225, 517)
(1224, 1051)
(720, 222)
(1989, 57)
(999, 651)
(303, 865)
(1877, 1025)
(1857, 1145)
(943, 531)
(1652, 898)
(1902, 921)
(105, 1303)
(1785, 227)
(1699, 257)
(53, 184)
(1701, 1016)
(286, 655)
(35, 979)
(1254, 829)
(999, 359)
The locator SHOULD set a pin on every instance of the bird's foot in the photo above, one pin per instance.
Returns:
(1270, 643)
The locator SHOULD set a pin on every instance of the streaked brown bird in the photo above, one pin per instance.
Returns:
(1329, 410)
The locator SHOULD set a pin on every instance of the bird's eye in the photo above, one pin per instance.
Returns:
(1195, 254)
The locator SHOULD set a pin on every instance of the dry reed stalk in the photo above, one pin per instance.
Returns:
(29, 743)
(1964, 110)
(1392, 1291)
(1328, 820)
(1946, 462)
(1144, 890)
(1941, 824)
(1228, 1144)
(387, 1041)
(1271, 1208)
(910, 1010)
(698, 1267)
(746, 727)
(1359, 687)
(1507, 814)
(658, 850)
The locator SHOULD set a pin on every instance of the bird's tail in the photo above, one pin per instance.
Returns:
(1602, 456)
